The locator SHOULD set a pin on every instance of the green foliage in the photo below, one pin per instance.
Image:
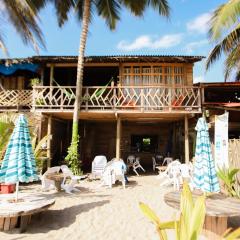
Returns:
(228, 176)
(190, 224)
(73, 155)
(34, 81)
(192, 216)
(225, 33)
(5, 133)
(38, 151)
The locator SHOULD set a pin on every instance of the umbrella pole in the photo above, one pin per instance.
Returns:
(16, 196)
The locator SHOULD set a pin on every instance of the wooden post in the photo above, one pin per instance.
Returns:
(51, 81)
(51, 74)
(186, 139)
(49, 132)
(118, 138)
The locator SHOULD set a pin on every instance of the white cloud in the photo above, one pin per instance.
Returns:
(198, 79)
(200, 24)
(192, 46)
(149, 42)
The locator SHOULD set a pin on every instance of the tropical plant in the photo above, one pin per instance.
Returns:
(225, 33)
(190, 224)
(228, 176)
(23, 15)
(39, 151)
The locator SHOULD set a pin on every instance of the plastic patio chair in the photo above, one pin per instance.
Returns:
(48, 184)
(137, 165)
(172, 175)
(98, 165)
(155, 164)
(167, 160)
(68, 174)
(114, 171)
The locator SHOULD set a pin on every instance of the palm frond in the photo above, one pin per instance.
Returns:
(162, 6)
(62, 9)
(226, 45)
(25, 21)
(136, 7)
(232, 62)
(109, 10)
(223, 18)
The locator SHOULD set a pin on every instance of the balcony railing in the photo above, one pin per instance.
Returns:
(130, 98)
(15, 99)
(134, 98)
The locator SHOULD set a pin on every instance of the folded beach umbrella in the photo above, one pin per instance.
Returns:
(19, 163)
(204, 176)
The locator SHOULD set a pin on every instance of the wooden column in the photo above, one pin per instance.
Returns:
(186, 139)
(51, 75)
(49, 132)
(118, 138)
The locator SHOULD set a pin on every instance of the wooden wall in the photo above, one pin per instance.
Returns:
(13, 82)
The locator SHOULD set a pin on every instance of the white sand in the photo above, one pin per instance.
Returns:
(99, 213)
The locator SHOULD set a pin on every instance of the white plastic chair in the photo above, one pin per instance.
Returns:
(114, 171)
(172, 175)
(48, 184)
(98, 165)
(137, 165)
(68, 174)
(155, 164)
(167, 160)
(119, 169)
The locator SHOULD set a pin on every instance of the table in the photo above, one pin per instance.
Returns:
(57, 178)
(218, 209)
(11, 213)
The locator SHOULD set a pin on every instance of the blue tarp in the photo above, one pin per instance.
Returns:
(8, 70)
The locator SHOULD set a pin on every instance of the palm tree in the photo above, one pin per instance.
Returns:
(23, 15)
(109, 10)
(225, 32)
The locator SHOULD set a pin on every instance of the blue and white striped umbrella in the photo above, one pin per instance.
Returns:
(204, 177)
(19, 163)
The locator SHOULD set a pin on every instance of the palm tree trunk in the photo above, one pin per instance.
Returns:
(80, 66)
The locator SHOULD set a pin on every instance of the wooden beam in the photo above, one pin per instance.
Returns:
(49, 132)
(51, 74)
(186, 139)
(118, 138)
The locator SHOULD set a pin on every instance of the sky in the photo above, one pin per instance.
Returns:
(185, 33)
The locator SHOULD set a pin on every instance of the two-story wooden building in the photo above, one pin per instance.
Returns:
(131, 104)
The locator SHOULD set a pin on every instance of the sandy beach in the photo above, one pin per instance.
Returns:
(99, 213)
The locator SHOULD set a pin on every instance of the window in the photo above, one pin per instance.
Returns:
(153, 75)
(143, 143)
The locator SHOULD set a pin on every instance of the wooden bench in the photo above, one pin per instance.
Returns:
(218, 209)
(13, 214)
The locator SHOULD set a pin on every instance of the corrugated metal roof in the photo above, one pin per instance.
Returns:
(108, 58)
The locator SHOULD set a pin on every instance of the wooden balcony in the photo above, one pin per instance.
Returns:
(149, 99)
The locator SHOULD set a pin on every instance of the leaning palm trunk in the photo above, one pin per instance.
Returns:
(73, 156)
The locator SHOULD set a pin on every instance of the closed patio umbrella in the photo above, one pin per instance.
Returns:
(19, 163)
(204, 177)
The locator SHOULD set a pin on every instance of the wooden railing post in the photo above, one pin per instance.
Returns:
(142, 99)
(170, 99)
(86, 101)
(115, 98)
(34, 98)
(61, 100)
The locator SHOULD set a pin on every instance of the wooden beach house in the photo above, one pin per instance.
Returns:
(130, 104)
